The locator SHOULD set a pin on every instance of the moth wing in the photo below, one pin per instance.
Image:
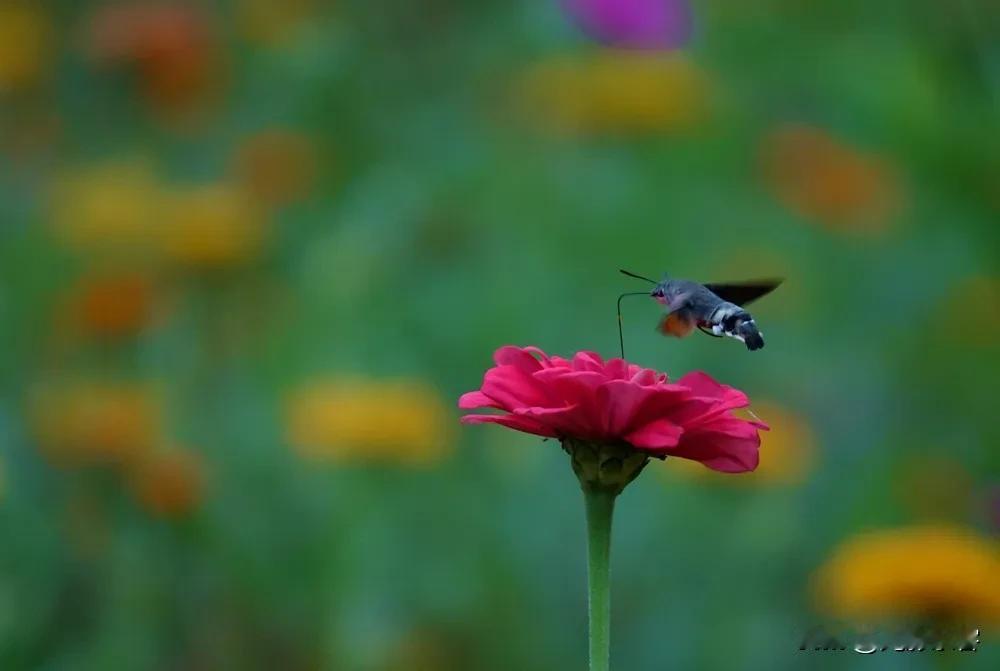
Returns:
(743, 293)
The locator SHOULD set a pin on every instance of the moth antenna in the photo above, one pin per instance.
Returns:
(621, 338)
(638, 277)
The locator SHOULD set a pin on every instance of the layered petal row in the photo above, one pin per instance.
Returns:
(614, 401)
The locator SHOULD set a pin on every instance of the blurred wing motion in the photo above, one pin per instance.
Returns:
(677, 324)
(743, 293)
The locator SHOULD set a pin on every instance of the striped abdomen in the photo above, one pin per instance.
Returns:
(732, 320)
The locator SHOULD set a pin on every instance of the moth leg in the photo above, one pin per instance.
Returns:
(714, 331)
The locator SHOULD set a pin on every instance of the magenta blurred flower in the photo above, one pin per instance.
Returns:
(633, 24)
(587, 399)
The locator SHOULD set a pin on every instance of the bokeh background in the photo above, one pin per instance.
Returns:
(252, 251)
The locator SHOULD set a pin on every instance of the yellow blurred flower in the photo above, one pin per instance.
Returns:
(615, 92)
(121, 209)
(970, 312)
(112, 207)
(787, 452)
(94, 421)
(946, 573)
(395, 421)
(272, 22)
(212, 226)
(276, 166)
(821, 178)
(25, 44)
(168, 483)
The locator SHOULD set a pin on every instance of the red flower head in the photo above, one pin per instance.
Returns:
(590, 400)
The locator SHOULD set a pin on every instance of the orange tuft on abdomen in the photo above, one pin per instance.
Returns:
(676, 325)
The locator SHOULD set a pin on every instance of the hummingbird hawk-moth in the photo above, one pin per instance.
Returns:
(715, 309)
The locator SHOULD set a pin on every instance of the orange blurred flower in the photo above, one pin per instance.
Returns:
(168, 483)
(94, 421)
(111, 305)
(171, 45)
(615, 92)
(25, 44)
(945, 573)
(212, 226)
(787, 452)
(427, 647)
(400, 421)
(109, 207)
(821, 178)
(276, 166)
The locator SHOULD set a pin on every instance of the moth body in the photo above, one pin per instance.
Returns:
(693, 305)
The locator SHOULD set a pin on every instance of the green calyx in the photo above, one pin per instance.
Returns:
(602, 467)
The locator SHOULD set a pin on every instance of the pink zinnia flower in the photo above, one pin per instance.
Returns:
(611, 417)
(634, 24)
(615, 403)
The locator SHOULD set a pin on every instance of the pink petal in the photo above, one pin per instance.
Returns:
(559, 362)
(543, 358)
(733, 463)
(719, 399)
(617, 369)
(588, 361)
(719, 411)
(577, 388)
(721, 451)
(568, 421)
(620, 403)
(661, 434)
(643, 376)
(569, 386)
(702, 384)
(525, 424)
(510, 355)
(512, 388)
(476, 399)
(732, 426)
(662, 401)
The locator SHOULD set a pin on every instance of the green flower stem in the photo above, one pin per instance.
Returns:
(600, 507)
(603, 470)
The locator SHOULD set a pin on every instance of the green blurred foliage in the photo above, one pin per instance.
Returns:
(438, 220)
